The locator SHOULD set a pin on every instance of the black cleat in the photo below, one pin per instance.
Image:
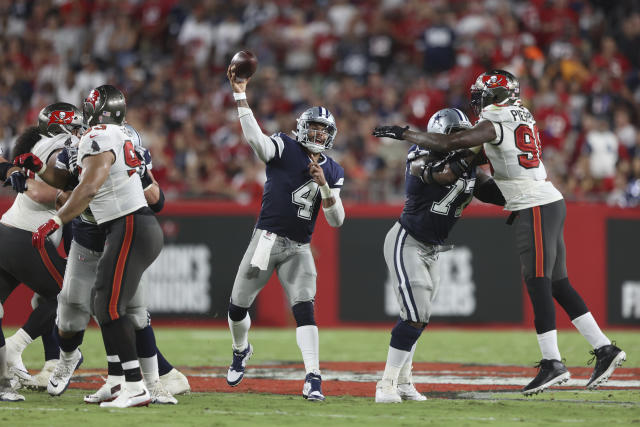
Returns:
(608, 358)
(551, 372)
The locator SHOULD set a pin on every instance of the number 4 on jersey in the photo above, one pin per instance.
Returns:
(305, 197)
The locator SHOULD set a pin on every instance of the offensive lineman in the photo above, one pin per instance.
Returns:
(435, 195)
(110, 185)
(510, 138)
(297, 173)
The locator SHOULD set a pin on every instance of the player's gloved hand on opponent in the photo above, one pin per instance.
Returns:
(39, 237)
(423, 170)
(394, 132)
(17, 180)
(30, 161)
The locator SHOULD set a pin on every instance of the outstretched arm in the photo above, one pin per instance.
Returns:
(474, 137)
(262, 145)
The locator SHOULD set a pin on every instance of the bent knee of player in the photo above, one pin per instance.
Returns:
(72, 318)
(139, 316)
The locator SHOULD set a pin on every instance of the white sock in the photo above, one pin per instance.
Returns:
(4, 371)
(149, 367)
(20, 340)
(68, 355)
(589, 329)
(240, 332)
(395, 361)
(404, 376)
(309, 344)
(548, 343)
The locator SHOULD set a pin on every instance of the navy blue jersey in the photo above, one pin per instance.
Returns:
(431, 210)
(85, 230)
(291, 199)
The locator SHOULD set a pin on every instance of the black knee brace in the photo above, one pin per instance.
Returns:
(237, 313)
(568, 298)
(303, 313)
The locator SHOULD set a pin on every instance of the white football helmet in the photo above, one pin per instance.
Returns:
(316, 115)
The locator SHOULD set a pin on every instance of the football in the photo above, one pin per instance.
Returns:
(246, 64)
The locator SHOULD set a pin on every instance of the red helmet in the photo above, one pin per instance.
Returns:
(494, 87)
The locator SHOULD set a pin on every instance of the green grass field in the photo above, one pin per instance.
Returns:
(211, 347)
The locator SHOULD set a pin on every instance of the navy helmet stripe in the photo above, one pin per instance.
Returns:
(459, 114)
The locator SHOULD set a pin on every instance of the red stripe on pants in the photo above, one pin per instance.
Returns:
(539, 245)
(50, 267)
(122, 259)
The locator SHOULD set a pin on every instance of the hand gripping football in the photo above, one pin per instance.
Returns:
(246, 64)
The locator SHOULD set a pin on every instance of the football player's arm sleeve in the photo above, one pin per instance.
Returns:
(335, 213)
(487, 190)
(263, 146)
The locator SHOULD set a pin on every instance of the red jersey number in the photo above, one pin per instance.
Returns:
(528, 140)
(130, 157)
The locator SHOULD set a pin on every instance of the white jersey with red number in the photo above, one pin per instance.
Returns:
(515, 158)
(27, 214)
(122, 192)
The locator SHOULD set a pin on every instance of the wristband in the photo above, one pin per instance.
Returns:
(239, 96)
(57, 220)
(325, 191)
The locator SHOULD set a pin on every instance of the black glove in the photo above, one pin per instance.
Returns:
(394, 132)
(18, 181)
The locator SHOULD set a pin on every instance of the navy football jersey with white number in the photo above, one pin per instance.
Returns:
(291, 199)
(431, 210)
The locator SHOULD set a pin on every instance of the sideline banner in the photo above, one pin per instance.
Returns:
(623, 272)
(194, 273)
(479, 278)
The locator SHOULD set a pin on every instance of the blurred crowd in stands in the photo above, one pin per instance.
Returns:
(370, 62)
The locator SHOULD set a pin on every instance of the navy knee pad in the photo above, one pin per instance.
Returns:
(404, 336)
(1, 334)
(237, 313)
(303, 313)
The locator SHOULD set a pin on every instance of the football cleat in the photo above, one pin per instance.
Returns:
(312, 388)
(61, 376)
(408, 391)
(239, 363)
(14, 362)
(129, 398)
(175, 382)
(387, 392)
(7, 394)
(608, 358)
(160, 395)
(41, 379)
(551, 372)
(108, 392)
